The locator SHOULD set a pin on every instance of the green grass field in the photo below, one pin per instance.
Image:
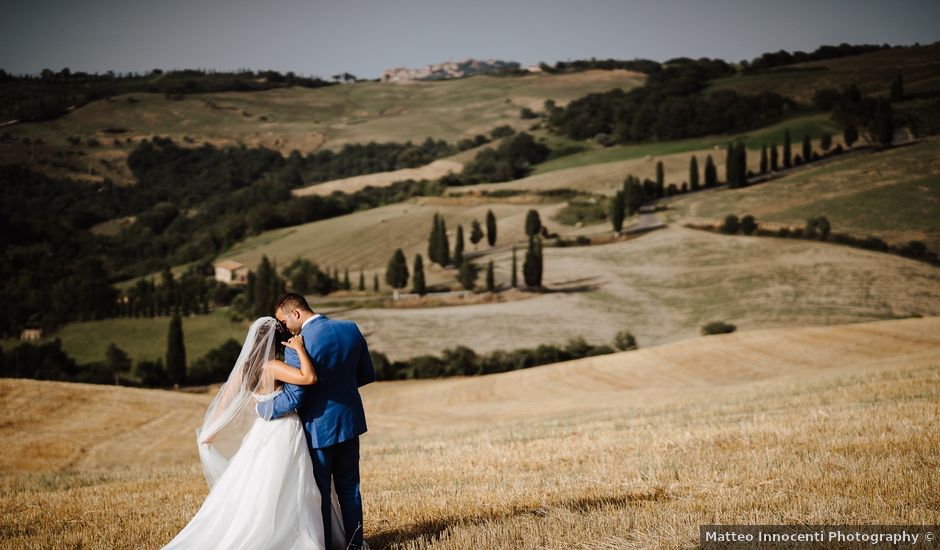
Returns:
(812, 125)
(143, 338)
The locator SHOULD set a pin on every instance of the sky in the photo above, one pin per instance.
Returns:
(365, 37)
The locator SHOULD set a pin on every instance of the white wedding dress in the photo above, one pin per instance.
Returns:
(266, 497)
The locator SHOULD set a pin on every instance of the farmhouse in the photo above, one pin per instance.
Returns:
(231, 272)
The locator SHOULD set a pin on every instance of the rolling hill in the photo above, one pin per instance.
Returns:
(295, 118)
(808, 425)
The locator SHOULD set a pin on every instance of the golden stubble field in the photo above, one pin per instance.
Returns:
(635, 450)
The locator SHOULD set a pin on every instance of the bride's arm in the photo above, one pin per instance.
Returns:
(305, 376)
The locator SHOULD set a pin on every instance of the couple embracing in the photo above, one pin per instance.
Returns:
(279, 444)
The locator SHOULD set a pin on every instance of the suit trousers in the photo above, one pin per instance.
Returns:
(340, 463)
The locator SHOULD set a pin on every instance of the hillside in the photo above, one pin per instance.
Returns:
(294, 118)
(631, 450)
(872, 72)
(894, 195)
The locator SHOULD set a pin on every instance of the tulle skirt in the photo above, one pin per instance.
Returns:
(266, 498)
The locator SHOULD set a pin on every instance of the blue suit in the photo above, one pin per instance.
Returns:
(332, 414)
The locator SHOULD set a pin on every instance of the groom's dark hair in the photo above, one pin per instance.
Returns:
(292, 301)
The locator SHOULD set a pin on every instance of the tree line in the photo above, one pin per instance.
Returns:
(51, 94)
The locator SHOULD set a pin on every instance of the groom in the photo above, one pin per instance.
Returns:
(330, 409)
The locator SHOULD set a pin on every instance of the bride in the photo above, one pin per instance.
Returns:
(262, 492)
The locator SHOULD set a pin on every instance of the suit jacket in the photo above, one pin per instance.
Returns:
(331, 409)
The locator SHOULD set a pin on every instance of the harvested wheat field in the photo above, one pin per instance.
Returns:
(634, 450)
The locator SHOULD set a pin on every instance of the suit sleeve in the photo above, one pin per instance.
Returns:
(365, 371)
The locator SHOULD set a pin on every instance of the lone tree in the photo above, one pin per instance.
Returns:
(532, 267)
(396, 274)
(617, 211)
(418, 285)
(458, 247)
(693, 173)
(490, 228)
(476, 233)
(533, 224)
(807, 148)
(176, 352)
(787, 154)
(490, 278)
(513, 281)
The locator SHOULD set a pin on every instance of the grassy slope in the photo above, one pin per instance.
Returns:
(811, 125)
(143, 338)
(663, 287)
(810, 425)
(872, 72)
(307, 119)
(893, 194)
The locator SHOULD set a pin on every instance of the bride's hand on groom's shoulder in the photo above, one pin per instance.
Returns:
(296, 343)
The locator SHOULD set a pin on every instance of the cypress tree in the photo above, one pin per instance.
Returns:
(362, 280)
(490, 228)
(533, 224)
(434, 240)
(418, 285)
(741, 168)
(176, 352)
(375, 282)
(532, 266)
(467, 275)
(458, 246)
(396, 274)
(490, 278)
(807, 148)
(787, 154)
(514, 282)
(617, 211)
(731, 165)
(774, 165)
(711, 173)
(763, 158)
(476, 233)
(444, 246)
(693, 174)
(660, 180)
(346, 284)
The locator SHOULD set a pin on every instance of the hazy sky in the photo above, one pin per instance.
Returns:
(365, 36)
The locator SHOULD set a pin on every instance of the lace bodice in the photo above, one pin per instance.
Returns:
(267, 396)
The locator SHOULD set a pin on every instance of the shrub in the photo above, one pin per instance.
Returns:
(718, 327)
